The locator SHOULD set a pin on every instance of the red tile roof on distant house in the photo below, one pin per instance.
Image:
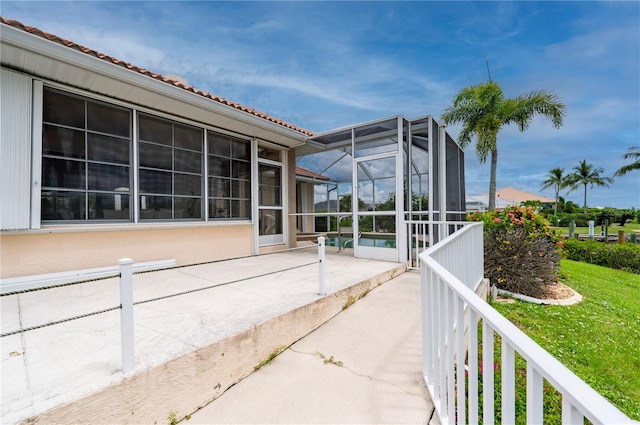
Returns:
(303, 172)
(154, 75)
(515, 195)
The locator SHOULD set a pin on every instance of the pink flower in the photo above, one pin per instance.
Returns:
(497, 220)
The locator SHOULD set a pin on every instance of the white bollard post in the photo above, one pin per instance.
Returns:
(321, 289)
(126, 314)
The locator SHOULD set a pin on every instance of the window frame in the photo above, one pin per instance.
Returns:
(231, 177)
(277, 238)
(83, 161)
(40, 86)
(167, 170)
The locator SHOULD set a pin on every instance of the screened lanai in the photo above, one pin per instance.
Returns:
(404, 173)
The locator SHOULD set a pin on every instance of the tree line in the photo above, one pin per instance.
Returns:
(585, 174)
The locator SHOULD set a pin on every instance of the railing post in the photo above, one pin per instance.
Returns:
(321, 288)
(126, 314)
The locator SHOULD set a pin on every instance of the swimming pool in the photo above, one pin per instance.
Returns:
(377, 242)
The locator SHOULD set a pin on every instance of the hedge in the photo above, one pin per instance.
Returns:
(582, 220)
(616, 256)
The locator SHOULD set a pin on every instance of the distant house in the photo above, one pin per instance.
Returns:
(504, 198)
(516, 196)
(481, 203)
(102, 160)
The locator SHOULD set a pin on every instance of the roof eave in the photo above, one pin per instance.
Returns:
(52, 50)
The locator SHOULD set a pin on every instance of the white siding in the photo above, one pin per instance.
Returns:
(15, 150)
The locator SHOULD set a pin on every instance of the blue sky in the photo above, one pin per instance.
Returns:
(323, 65)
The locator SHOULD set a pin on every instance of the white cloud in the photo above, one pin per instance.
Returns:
(326, 65)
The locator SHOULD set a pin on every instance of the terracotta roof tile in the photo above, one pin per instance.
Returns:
(303, 172)
(115, 61)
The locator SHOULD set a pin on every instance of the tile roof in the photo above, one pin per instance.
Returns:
(303, 172)
(516, 195)
(176, 83)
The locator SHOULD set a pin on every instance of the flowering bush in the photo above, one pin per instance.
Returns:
(521, 251)
(534, 225)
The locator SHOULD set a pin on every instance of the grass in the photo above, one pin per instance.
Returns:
(275, 353)
(613, 229)
(597, 339)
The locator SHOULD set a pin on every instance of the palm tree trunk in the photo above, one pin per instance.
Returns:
(492, 179)
(555, 206)
(585, 198)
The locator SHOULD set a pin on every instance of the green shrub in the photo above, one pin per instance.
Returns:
(582, 220)
(553, 219)
(616, 256)
(521, 252)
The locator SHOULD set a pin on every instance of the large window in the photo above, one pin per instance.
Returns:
(88, 167)
(170, 174)
(86, 159)
(229, 177)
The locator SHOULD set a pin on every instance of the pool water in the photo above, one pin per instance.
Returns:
(347, 242)
(377, 242)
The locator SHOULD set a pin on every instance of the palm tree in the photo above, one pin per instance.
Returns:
(483, 111)
(555, 179)
(633, 152)
(584, 174)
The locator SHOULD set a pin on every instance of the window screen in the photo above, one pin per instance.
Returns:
(170, 169)
(229, 165)
(86, 159)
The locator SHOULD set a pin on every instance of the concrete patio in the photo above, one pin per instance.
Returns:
(194, 348)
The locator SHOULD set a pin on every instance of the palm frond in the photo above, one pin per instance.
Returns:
(522, 109)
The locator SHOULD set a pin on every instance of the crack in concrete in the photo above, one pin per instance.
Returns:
(372, 378)
(25, 361)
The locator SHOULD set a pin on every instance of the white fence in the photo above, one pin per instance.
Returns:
(449, 274)
(425, 233)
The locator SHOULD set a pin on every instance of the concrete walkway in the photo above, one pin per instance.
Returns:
(195, 348)
(361, 367)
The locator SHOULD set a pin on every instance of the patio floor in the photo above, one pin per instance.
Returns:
(70, 372)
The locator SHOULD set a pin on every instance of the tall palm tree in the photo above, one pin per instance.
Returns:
(555, 179)
(483, 111)
(585, 174)
(634, 153)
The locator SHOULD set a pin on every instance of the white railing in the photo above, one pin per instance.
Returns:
(426, 233)
(453, 380)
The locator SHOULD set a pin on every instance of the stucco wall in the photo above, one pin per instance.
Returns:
(58, 250)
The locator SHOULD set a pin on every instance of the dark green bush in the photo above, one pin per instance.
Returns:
(617, 256)
(552, 219)
(582, 220)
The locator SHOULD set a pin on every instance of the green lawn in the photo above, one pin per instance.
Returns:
(599, 338)
(613, 229)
